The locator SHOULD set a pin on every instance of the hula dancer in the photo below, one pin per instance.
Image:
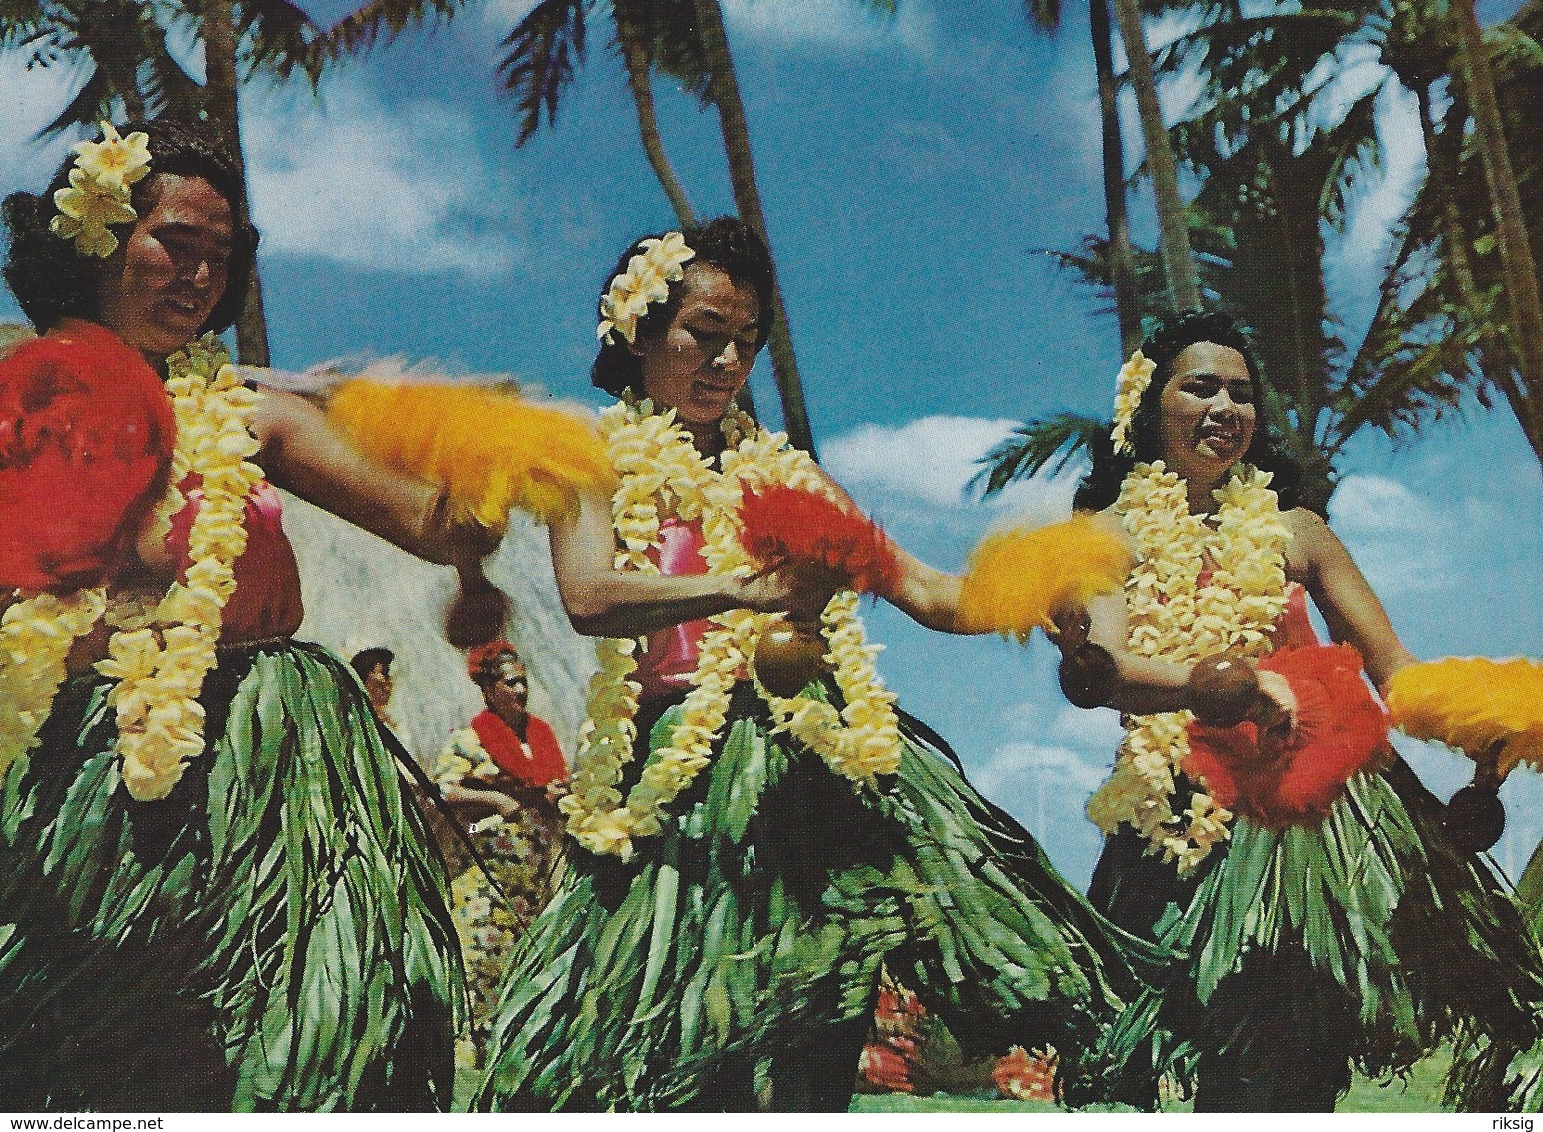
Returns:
(755, 828)
(1258, 821)
(214, 891)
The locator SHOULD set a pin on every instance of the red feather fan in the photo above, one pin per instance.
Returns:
(86, 438)
(787, 524)
(1340, 729)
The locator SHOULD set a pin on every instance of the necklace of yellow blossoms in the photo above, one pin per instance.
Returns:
(1175, 618)
(161, 654)
(662, 473)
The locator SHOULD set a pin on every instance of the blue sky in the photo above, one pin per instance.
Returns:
(912, 171)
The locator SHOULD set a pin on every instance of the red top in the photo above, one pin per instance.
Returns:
(536, 762)
(666, 666)
(267, 598)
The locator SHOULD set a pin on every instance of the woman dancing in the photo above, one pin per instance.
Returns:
(743, 858)
(1328, 920)
(214, 892)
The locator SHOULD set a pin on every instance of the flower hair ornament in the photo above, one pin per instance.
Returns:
(1135, 376)
(659, 262)
(98, 192)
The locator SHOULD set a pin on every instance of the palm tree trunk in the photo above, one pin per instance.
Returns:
(220, 87)
(747, 198)
(1178, 263)
(1441, 172)
(1122, 261)
(1517, 263)
(636, 60)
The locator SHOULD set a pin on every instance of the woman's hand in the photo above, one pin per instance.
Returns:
(478, 613)
(800, 590)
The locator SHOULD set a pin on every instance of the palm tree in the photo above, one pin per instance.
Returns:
(723, 89)
(685, 39)
(1178, 262)
(1445, 314)
(119, 46)
(1046, 16)
(1511, 239)
(122, 48)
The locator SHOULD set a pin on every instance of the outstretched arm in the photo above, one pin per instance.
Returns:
(305, 453)
(1354, 614)
(605, 602)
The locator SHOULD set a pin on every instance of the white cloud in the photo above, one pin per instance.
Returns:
(834, 24)
(1058, 768)
(402, 190)
(931, 461)
(840, 25)
(32, 98)
(1402, 542)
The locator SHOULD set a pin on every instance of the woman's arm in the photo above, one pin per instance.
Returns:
(304, 453)
(605, 602)
(1352, 611)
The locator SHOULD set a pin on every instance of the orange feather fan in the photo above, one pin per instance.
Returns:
(1472, 703)
(1018, 578)
(787, 524)
(492, 451)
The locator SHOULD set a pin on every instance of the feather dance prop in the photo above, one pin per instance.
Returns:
(492, 451)
(786, 524)
(1473, 703)
(1339, 730)
(1017, 579)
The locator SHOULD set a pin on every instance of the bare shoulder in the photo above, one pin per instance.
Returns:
(1311, 541)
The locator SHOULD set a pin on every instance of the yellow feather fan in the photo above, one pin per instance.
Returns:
(1017, 578)
(1471, 703)
(493, 451)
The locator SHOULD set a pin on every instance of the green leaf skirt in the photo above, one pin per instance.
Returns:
(762, 913)
(273, 935)
(1366, 939)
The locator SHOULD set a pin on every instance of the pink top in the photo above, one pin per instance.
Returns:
(666, 666)
(267, 598)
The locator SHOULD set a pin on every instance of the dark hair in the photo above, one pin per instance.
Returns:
(366, 661)
(487, 662)
(52, 281)
(726, 243)
(1170, 338)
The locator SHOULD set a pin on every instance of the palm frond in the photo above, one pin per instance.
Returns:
(543, 50)
(1032, 446)
(92, 103)
(279, 37)
(364, 27)
(1043, 14)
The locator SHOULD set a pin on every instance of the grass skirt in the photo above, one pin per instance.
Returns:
(272, 935)
(1365, 939)
(762, 914)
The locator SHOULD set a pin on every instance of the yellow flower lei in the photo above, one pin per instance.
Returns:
(159, 655)
(662, 474)
(36, 634)
(1174, 618)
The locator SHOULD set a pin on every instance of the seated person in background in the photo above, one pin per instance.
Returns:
(374, 668)
(502, 775)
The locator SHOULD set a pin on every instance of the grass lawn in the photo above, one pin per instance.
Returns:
(1420, 1092)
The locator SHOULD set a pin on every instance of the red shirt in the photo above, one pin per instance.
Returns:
(536, 762)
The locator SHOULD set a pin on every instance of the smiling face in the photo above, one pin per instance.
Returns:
(163, 284)
(699, 364)
(1208, 412)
